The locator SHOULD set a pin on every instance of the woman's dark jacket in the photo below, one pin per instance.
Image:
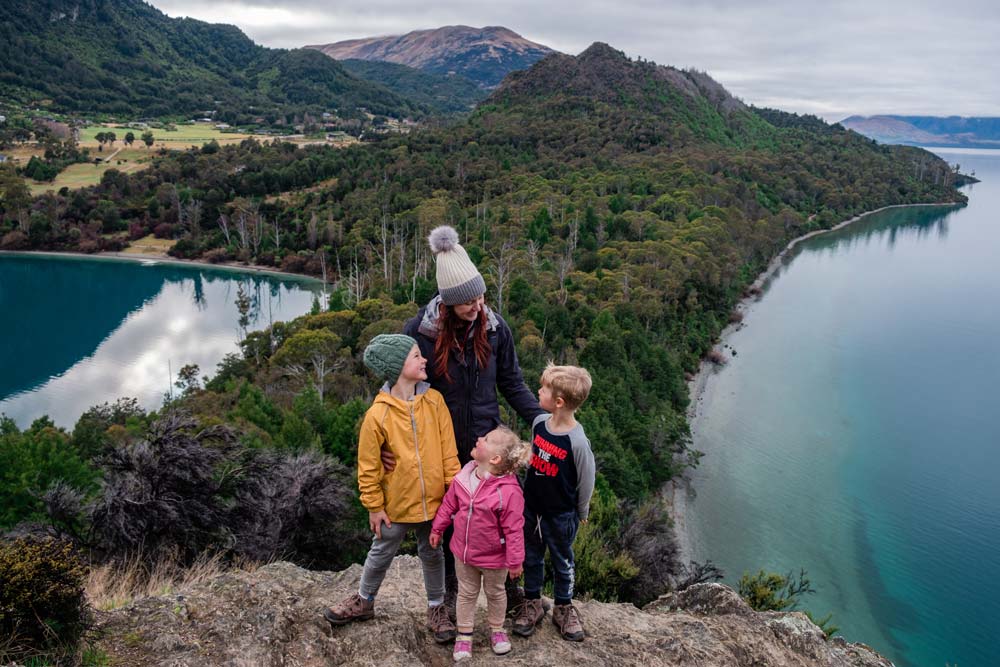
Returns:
(471, 395)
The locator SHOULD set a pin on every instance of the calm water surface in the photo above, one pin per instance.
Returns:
(856, 433)
(78, 332)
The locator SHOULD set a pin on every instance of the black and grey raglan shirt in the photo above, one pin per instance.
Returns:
(560, 477)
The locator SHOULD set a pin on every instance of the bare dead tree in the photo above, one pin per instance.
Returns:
(189, 217)
(532, 249)
(242, 229)
(224, 226)
(563, 267)
(277, 235)
(500, 269)
(312, 231)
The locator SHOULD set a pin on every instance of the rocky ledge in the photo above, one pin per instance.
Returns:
(271, 617)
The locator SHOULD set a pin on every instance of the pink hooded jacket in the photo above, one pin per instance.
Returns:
(489, 524)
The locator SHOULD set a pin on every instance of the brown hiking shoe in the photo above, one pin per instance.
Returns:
(354, 608)
(567, 620)
(529, 615)
(439, 623)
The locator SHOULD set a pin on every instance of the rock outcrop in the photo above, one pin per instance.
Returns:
(271, 617)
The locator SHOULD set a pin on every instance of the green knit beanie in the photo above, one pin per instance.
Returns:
(387, 353)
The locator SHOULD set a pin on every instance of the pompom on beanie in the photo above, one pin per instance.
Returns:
(458, 280)
(387, 353)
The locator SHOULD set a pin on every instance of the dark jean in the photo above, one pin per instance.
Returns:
(556, 533)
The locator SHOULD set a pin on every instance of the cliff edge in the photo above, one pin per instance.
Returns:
(271, 616)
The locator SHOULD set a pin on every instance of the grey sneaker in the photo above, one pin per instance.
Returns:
(354, 608)
(567, 620)
(529, 615)
(439, 624)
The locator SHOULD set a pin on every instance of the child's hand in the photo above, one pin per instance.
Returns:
(516, 572)
(375, 521)
(584, 521)
(388, 460)
(435, 540)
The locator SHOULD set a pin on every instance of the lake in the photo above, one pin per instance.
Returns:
(856, 431)
(81, 331)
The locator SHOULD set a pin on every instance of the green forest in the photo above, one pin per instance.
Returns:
(126, 58)
(617, 209)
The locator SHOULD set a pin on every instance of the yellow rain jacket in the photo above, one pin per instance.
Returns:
(420, 435)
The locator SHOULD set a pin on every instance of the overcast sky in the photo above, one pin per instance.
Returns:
(832, 59)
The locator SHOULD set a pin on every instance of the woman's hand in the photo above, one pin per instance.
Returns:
(388, 460)
(375, 521)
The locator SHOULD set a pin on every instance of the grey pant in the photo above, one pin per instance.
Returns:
(384, 550)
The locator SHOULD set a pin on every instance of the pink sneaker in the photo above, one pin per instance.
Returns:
(500, 642)
(463, 649)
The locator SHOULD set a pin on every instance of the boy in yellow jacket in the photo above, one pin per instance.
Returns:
(412, 421)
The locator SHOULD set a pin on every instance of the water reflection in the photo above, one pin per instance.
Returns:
(95, 330)
(889, 227)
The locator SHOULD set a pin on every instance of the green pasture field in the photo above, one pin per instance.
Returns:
(185, 135)
(129, 160)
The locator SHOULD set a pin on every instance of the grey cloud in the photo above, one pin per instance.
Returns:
(830, 58)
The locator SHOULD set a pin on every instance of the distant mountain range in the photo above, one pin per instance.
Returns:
(952, 131)
(484, 55)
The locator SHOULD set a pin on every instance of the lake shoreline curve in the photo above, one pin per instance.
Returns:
(157, 259)
(678, 493)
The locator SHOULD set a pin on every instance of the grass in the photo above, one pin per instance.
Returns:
(129, 160)
(150, 245)
(289, 194)
(115, 585)
(184, 136)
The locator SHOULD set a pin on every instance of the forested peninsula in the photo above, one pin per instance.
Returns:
(617, 209)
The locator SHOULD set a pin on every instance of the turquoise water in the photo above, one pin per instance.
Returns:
(78, 332)
(856, 433)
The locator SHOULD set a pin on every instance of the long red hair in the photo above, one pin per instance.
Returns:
(452, 328)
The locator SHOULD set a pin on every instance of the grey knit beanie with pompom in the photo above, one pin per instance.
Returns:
(387, 353)
(458, 280)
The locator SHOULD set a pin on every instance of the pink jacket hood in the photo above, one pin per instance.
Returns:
(489, 523)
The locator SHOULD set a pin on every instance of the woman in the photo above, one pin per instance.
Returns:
(470, 353)
(469, 347)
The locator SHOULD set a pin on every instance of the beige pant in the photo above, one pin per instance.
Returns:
(470, 579)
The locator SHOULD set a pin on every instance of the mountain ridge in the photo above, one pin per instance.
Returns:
(948, 131)
(484, 55)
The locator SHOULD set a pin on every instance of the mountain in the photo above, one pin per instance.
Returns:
(442, 93)
(485, 55)
(126, 57)
(954, 131)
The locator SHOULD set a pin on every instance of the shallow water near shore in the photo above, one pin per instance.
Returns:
(856, 431)
(79, 331)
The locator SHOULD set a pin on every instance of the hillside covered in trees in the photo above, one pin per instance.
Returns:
(618, 209)
(125, 57)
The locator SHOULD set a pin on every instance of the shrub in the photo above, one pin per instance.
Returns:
(42, 605)
(160, 493)
(216, 256)
(769, 591)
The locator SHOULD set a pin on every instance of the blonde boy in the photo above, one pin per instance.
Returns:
(557, 491)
